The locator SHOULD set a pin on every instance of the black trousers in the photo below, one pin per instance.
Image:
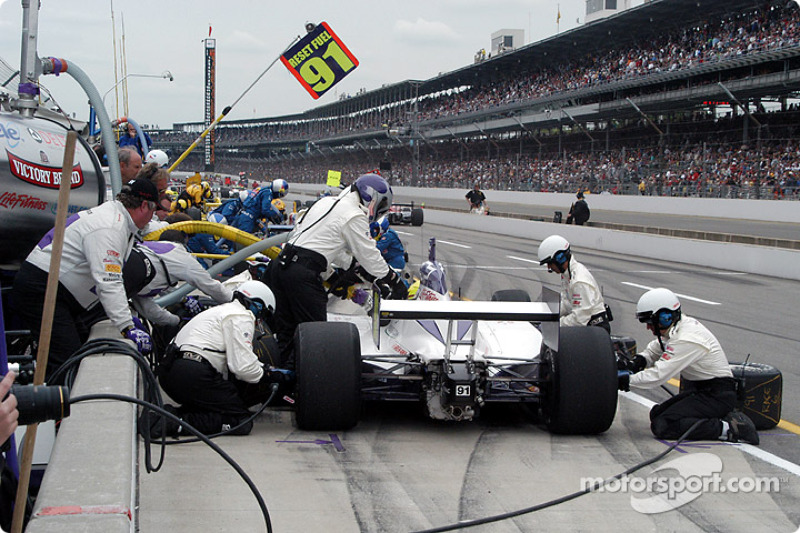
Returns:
(71, 322)
(208, 400)
(299, 297)
(672, 418)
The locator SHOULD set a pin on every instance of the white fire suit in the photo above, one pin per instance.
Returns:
(343, 232)
(223, 335)
(690, 350)
(97, 242)
(171, 263)
(581, 298)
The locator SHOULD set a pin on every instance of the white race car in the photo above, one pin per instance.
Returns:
(454, 357)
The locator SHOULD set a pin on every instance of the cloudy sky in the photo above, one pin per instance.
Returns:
(394, 40)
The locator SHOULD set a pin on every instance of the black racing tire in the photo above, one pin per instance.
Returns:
(582, 396)
(511, 295)
(417, 216)
(761, 393)
(328, 368)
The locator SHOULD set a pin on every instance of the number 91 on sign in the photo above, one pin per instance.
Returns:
(319, 60)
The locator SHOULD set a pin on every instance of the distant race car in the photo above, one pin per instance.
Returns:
(406, 214)
(454, 357)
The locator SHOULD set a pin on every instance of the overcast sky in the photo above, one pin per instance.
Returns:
(393, 40)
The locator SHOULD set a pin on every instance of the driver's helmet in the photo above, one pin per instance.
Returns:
(378, 228)
(554, 249)
(158, 157)
(278, 204)
(279, 188)
(431, 275)
(256, 297)
(375, 193)
(658, 307)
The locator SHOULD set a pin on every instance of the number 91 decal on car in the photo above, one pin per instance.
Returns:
(319, 60)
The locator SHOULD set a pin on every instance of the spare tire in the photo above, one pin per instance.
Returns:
(760, 397)
(328, 368)
(581, 398)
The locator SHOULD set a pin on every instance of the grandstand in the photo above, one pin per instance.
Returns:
(686, 97)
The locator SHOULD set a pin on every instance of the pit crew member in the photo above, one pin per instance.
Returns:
(683, 346)
(582, 302)
(211, 369)
(260, 206)
(332, 229)
(97, 242)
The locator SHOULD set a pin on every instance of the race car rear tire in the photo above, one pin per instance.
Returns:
(511, 295)
(417, 216)
(328, 367)
(582, 396)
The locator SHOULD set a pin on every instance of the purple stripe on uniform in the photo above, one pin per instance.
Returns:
(160, 247)
(47, 240)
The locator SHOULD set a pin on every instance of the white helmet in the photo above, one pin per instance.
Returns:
(554, 249)
(243, 195)
(659, 307)
(158, 157)
(279, 188)
(217, 217)
(257, 297)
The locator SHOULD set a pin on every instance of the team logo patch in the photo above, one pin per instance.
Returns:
(113, 268)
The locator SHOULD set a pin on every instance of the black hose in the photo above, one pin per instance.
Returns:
(193, 431)
(151, 391)
(511, 514)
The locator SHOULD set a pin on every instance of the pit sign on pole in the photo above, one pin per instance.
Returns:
(320, 60)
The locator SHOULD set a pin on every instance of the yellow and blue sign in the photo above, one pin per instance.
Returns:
(320, 60)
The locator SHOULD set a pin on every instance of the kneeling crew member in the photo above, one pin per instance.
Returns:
(684, 346)
(582, 302)
(213, 372)
(334, 228)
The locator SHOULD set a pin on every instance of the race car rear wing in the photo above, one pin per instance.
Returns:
(545, 312)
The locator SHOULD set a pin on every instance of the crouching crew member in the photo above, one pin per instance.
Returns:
(684, 346)
(212, 370)
(582, 302)
(334, 228)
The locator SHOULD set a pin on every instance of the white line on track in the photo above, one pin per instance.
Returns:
(746, 448)
(403, 233)
(453, 244)
(522, 259)
(684, 296)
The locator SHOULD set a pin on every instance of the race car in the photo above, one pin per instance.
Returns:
(406, 214)
(454, 357)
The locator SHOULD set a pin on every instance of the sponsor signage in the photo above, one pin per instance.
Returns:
(41, 175)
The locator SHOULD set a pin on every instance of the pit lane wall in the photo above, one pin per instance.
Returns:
(765, 260)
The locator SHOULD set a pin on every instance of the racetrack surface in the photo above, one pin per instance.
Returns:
(399, 471)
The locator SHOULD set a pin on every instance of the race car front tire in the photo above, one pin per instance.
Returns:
(582, 396)
(328, 367)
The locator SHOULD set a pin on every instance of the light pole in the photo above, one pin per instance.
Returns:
(167, 75)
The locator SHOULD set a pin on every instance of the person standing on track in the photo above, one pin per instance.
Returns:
(582, 301)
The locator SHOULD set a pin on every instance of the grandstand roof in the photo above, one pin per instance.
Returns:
(623, 28)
